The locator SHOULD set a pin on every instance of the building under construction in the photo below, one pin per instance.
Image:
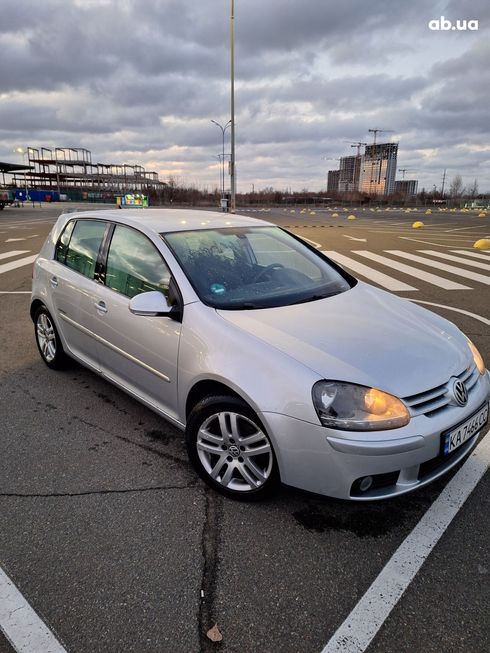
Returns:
(70, 171)
(349, 173)
(379, 169)
(406, 187)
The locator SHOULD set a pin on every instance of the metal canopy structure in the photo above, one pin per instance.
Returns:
(71, 168)
(11, 168)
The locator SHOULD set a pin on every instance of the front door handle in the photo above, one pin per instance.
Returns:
(54, 282)
(101, 307)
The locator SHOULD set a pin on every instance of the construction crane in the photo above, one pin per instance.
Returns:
(376, 131)
(358, 145)
(404, 170)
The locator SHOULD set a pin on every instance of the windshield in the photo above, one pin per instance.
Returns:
(253, 267)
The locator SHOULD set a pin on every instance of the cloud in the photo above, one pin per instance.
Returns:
(138, 81)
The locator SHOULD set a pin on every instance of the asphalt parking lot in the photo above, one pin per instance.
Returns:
(118, 546)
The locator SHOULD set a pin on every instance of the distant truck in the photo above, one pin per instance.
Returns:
(7, 198)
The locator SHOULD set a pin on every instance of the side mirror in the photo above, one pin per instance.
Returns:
(153, 303)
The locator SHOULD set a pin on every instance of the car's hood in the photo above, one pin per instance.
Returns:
(365, 336)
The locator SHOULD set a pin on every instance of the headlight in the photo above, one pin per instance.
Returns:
(477, 357)
(351, 407)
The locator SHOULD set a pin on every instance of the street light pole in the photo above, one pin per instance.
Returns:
(222, 171)
(232, 71)
(24, 153)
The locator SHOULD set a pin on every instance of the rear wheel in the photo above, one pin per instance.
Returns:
(230, 448)
(47, 339)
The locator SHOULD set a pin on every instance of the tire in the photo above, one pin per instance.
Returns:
(223, 437)
(47, 340)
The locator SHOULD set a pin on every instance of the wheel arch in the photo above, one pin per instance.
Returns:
(206, 387)
(35, 306)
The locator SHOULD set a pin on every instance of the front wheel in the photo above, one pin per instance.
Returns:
(230, 448)
(47, 339)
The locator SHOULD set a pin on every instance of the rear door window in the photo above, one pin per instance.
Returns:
(84, 246)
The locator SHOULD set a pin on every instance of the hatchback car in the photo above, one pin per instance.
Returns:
(277, 363)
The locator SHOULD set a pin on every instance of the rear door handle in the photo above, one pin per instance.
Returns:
(54, 282)
(101, 307)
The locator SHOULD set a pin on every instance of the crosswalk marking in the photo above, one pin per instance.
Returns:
(456, 259)
(474, 276)
(7, 267)
(485, 257)
(370, 273)
(13, 253)
(413, 272)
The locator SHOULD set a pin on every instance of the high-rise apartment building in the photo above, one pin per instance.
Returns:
(378, 169)
(350, 171)
(406, 187)
(333, 181)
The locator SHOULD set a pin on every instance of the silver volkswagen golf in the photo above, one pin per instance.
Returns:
(277, 363)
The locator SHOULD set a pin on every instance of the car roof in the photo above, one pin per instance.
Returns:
(167, 220)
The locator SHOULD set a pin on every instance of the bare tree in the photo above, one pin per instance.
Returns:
(456, 189)
(473, 190)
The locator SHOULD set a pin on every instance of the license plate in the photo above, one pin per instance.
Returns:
(459, 435)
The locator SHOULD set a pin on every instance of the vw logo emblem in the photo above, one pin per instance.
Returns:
(460, 393)
(234, 450)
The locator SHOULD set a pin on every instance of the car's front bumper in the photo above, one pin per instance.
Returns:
(330, 462)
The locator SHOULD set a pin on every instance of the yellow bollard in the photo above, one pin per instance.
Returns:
(335, 215)
(482, 215)
(417, 225)
(483, 243)
(351, 217)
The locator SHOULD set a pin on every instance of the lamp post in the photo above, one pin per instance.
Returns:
(222, 170)
(232, 75)
(24, 153)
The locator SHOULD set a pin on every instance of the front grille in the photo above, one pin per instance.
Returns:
(433, 401)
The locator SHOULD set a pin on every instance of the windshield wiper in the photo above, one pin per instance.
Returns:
(314, 298)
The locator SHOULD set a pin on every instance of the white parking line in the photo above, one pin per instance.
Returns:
(21, 625)
(428, 242)
(363, 623)
(14, 252)
(480, 318)
(370, 273)
(463, 228)
(7, 267)
(317, 245)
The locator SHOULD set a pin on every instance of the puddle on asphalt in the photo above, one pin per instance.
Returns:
(365, 523)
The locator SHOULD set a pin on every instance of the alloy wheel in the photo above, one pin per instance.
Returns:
(46, 337)
(234, 451)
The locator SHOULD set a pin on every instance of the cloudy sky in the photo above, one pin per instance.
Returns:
(138, 81)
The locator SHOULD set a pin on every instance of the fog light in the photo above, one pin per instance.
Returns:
(366, 483)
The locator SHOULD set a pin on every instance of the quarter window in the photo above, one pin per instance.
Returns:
(134, 265)
(62, 244)
(84, 246)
